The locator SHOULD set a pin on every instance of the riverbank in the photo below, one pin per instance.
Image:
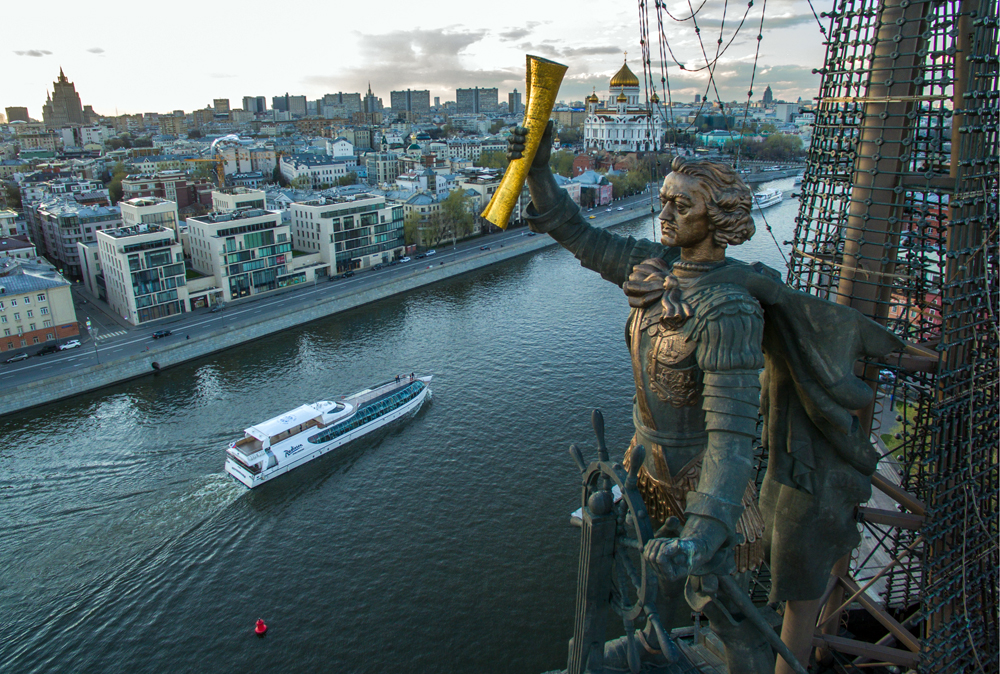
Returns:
(164, 354)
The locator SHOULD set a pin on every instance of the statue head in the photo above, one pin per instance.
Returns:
(727, 199)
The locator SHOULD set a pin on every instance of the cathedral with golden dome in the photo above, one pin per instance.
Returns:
(624, 123)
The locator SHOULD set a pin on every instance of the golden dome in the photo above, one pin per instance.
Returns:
(654, 98)
(624, 77)
(593, 97)
(622, 98)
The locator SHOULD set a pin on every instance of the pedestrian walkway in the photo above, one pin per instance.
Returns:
(109, 335)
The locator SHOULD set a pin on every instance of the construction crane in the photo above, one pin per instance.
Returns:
(220, 171)
(220, 165)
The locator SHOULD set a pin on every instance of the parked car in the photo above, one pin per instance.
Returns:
(421, 256)
(393, 263)
(348, 274)
(71, 344)
(404, 259)
(46, 350)
(431, 251)
(14, 359)
(217, 308)
(161, 333)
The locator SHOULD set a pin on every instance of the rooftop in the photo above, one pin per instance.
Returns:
(22, 280)
(125, 232)
(234, 216)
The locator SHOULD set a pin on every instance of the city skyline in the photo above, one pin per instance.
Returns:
(476, 49)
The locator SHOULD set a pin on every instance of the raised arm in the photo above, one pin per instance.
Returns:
(553, 212)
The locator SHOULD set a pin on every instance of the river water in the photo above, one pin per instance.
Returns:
(441, 544)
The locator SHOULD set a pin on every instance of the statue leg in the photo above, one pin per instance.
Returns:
(747, 650)
(797, 629)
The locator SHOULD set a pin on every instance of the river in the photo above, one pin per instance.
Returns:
(442, 544)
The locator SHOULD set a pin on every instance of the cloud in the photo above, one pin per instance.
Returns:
(33, 52)
(770, 23)
(552, 49)
(518, 33)
(96, 50)
(417, 59)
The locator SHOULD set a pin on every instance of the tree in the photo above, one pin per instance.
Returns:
(456, 214)
(495, 160)
(349, 179)
(144, 141)
(496, 126)
(12, 196)
(561, 162)
(570, 135)
(194, 134)
(302, 182)
(411, 228)
(279, 177)
(115, 191)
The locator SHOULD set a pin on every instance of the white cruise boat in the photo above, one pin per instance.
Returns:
(278, 445)
(767, 198)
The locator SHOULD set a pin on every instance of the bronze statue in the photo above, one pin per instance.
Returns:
(701, 330)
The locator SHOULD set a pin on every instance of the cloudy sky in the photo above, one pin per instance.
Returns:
(150, 57)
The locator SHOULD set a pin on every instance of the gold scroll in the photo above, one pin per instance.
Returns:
(542, 80)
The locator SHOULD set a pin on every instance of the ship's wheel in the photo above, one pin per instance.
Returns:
(609, 489)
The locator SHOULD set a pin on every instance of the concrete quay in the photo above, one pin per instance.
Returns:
(165, 354)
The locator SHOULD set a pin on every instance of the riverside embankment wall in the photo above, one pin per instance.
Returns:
(58, 387)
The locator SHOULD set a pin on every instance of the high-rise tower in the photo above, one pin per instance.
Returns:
(63, 106)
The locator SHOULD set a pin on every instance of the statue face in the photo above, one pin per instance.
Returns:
(684, 219)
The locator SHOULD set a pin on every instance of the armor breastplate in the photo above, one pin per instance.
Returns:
(670, 364)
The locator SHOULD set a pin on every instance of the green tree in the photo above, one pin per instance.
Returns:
(303, 182)
(496, 126)
(12, 196)
(570, 135)
(411, 228)
(349, 179)
(495, 160)
(118, 173)
(279, 177)
(456, 214)
(561, 162)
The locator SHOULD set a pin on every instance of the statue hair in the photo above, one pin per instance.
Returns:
(729, 199)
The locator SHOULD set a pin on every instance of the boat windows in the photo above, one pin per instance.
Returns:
(370, 413)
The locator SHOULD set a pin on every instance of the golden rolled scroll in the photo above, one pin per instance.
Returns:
(542, 80)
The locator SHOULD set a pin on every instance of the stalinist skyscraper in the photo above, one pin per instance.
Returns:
(63, 106)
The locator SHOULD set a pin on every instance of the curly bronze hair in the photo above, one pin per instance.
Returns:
(728, 202)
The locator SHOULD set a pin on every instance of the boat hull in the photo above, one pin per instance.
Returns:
(252, 480)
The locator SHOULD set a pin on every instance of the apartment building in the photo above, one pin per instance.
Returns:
(143, 272)
(314, 171)
(234, 198)
(60, 223)
(150, 211)
(353, 232)
(248, 251)
(36, 306)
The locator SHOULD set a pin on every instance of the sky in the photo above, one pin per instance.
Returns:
(139, 57)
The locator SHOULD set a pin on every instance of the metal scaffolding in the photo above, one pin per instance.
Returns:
(899, 219)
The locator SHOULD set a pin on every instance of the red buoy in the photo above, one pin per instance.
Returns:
(261, 629)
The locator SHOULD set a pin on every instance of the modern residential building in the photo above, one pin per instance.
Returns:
(150, 211)
(170, 185)
(314, 171)
(624, 124)
(383, 167)
(514, 104)
(60, 223)
(236, 198)
(17, 114)
(255, 104)
(476, 100)
(411, 104)
(353, 232)
(63, 105)
(36, 306)
(142, 271)
(340, 105)
(248, 252)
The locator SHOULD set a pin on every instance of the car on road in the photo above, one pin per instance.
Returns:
(421, 256)
(484, 248)
(14, 359)
(431, 252)
(531, 233)
(621, 208)
(404, 259)
(217, 308)
(162, 333)
(393, 263)
(71, 344)
(591, 216)
(348, 274)
(377, 267)
(609, 210)
(46, 350)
